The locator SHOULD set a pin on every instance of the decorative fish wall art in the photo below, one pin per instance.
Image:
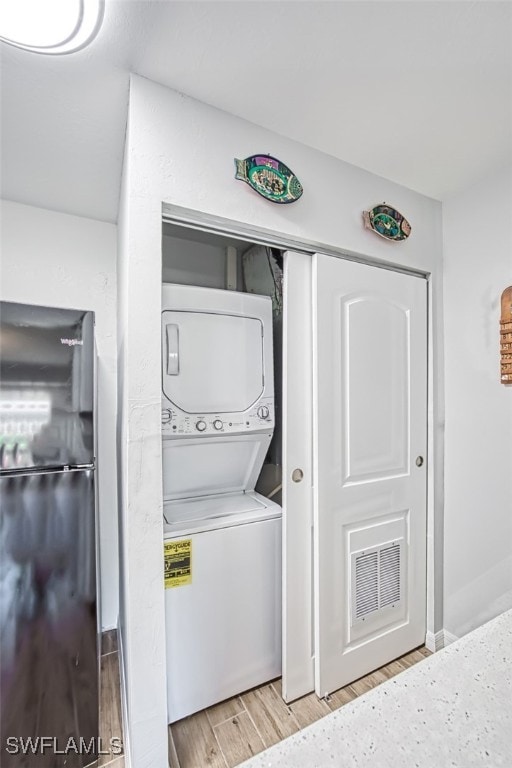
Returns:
(387, 222)
(270, 178)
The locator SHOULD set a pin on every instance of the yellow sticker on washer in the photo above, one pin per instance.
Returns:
(178, 563)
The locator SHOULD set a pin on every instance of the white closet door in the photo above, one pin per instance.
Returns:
(369, 437)
(297, 667)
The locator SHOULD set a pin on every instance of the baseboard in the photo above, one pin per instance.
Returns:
(435, 641)
(124, 706)
(449, 638)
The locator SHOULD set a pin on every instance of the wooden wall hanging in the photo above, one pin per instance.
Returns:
(506, 336)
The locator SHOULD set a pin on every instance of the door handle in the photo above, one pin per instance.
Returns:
(173, 350)
(419, 461)
(297, 475)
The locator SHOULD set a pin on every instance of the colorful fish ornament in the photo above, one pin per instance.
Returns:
(269, 177)
(387, 222)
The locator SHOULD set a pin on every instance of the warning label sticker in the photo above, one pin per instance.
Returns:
(178, 563)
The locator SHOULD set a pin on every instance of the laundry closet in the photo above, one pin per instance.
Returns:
(221, 449)
(294, 477)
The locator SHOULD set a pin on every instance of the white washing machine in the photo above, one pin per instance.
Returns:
(223, 617)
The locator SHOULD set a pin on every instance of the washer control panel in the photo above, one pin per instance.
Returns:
(176, 422)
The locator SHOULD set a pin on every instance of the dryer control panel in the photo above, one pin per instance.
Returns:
(176, 423)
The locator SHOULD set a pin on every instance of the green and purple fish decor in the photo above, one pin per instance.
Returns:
(270, 178)
(387, 222)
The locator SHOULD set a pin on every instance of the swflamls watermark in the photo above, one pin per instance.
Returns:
(44, 745)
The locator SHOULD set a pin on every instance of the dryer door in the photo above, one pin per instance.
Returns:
(211, 362)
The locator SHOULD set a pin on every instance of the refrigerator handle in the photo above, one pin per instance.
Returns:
(173, 352)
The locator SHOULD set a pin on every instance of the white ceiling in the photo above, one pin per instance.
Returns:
(419, 92)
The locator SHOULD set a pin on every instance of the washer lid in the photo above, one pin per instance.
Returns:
(186, 516)
(210, 507)
(212, 465)
(212, 362)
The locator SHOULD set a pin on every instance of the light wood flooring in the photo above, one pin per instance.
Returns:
(110, 701)
(229, 733)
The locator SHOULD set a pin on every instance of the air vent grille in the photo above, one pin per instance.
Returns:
(389, 591)
(376, 580)
(367, 584)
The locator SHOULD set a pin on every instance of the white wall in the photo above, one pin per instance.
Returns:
(181, 151)
(191, 263)
(67, 261)
(478, 458)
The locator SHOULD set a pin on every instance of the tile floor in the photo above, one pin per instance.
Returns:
(226, 734)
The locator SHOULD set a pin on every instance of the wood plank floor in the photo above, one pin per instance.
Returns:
(110, 701)
(225, 735)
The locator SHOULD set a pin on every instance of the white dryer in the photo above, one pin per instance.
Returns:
(223, 628)
(217, 367)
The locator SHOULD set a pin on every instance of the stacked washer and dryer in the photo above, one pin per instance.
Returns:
(224, 627)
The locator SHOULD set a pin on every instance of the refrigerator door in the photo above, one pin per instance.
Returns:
(49, 660)
(46, 387)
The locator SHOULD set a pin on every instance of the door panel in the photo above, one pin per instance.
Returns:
(48, 610)
(46, 386)
(375, 389)
(370, 406)
(298, 670)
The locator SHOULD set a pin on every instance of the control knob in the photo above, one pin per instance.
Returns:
(166, 417)
(200, 425)
(217, 424)
(263, 412)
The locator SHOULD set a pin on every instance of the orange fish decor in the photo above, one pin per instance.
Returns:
(506, 336)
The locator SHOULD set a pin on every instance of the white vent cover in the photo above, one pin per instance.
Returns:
(376, 579)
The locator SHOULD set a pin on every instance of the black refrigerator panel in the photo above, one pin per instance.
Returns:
(46, 387)
(48, 622)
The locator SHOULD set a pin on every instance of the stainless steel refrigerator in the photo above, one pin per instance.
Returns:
(48, 597)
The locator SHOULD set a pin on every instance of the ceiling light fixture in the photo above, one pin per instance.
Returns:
(50, 26)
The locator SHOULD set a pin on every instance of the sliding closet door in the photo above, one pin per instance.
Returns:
(369, 437)
(298, 671)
